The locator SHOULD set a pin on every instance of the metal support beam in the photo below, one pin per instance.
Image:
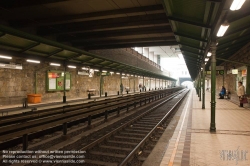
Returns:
(231, 61)
(213, 86)
(189, 22)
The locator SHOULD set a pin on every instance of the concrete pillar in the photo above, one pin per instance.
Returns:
(146, 52)
(151, 56)
(158, 59)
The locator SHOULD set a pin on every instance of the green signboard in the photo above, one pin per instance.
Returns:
(55, 81)
(218, 72)
(104, 74)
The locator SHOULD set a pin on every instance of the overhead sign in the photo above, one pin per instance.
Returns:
(104, 73)
(217, 67)
(11, 66)
(83, 73)
(234, 71)
(218, 72)
(244, 73)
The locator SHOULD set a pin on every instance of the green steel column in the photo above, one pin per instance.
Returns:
(100, 83)
(143, 82)
(203, 87)
(150, 84)
(200, 86)
(213, 88)
(155, 83)
(134, 83)
(35, 82)
(64, 84)
(248, 81)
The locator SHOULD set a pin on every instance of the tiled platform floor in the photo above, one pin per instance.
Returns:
(193, 144)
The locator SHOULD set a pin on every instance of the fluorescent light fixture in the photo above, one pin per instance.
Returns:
(132, 75)
(123, 74)
(84, 68)
(222, 30)
(209, 54)
(111, 72)
(206, 59)
(73, 67)
(236, 5)
(104, 71)
(55, 64)
(201, 68)
(96, 70)
(117, 73)
(5, 57)
(32, 61)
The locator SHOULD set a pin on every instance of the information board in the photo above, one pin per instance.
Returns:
(55, 80)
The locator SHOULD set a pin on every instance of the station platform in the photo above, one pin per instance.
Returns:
(18, 108)
(188, 140)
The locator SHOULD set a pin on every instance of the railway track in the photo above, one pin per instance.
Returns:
(131, 142)
(135, 131)
(15, 129)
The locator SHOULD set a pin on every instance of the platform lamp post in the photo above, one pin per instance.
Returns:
(213, 83)
(203, 86)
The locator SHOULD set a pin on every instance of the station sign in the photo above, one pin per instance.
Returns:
(244, 73)
(104, 73)
(55, 80)
(83, 73)
(11, 66)
(234, 71)
(218, 72)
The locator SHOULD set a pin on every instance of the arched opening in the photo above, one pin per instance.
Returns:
(187, 84)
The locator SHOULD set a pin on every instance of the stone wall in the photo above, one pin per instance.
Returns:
(16, 84)
(229, 82)
(123, 56)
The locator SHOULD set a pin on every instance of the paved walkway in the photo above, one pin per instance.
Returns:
(193, 144)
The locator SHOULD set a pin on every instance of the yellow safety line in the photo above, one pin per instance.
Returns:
(179, 134)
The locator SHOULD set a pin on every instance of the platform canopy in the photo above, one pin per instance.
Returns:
(73, 27)
(195, 24)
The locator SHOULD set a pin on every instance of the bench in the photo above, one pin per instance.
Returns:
(227, 95)
(92, 92)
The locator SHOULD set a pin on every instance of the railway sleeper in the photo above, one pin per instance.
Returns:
(119, 137)
(98, 163)
(109, 149)
(107, 157)
(120, 144)
(132, 134)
